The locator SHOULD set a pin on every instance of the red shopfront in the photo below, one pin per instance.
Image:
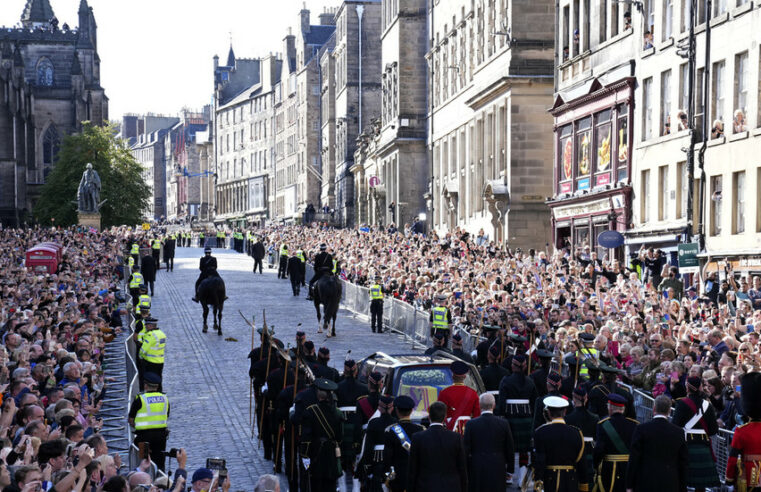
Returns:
(592, 186)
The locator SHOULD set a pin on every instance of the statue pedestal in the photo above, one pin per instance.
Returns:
(89, 219)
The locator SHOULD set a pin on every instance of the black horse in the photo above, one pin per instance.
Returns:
(327, 291)
(211, 291)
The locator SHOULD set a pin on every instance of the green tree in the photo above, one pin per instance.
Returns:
(122, 185)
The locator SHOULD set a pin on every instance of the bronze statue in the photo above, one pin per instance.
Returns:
(88, 195)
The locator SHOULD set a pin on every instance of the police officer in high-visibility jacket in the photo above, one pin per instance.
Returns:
(440, 318)
(282, 270)
(143, 300)
(134, 252)
(376, 306)
(152, 351)
(156, 252)
(135, 281)
(149, 415)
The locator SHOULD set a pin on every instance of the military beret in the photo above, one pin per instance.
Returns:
(519, 358)
(309, 345)
(404, 402)
(325, 384)
(376, 377)
(152, 378)
(571, 360)
(694, 382)
(514, 337)
(459, 368)
(324, 350)
(554, 378)
(608, 368)
(260, 331)
(349, 363)
(490, 328)
(616, 400)
(580, 391)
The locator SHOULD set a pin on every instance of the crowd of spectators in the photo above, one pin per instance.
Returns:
(653, 323)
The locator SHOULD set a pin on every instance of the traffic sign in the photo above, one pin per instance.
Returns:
(688, 258)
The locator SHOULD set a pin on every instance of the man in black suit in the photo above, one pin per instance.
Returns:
(148, 267)
(658, 456)
(257, 251)
(397, 444)
(489, 449)
(437, 457)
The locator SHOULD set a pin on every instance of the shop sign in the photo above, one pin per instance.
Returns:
(602, 179)
(688, 258)
(565, 187)
(583, 184)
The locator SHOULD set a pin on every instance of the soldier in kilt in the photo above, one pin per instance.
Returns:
(517, 396)
(695, 414)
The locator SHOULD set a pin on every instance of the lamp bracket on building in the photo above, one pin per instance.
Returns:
(505, 31)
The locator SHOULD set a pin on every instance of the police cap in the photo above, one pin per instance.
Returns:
(207, 249)
(586, 337)
(152, 378)
(323, 247)
(150, 320)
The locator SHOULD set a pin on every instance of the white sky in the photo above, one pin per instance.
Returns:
(156, 55)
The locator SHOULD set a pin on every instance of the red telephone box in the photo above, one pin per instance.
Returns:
(42, 259)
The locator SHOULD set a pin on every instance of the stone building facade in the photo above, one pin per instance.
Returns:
(244, 114)
(328, 125)
(183, 167)
(50, 75)
(358, 70)
(594, 105)
(491, 82)
(298, 173)
(391, 165)
(727, 194)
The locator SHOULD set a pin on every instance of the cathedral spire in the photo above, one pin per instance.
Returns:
(83, 7)
(36, 12)
(231, 56)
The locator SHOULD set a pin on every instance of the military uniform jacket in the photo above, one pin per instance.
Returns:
(557, 444)
(598, 399)
(492, 375)
(540, 380)
(349, 390)
(584, 420)
(375, 436)
(396, 455)
(481, 350)
(325, 371)
(516, 386)
(461, 401)
(539, 410)
(320, 435)
(683, 413)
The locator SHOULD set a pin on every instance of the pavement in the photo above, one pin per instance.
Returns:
(206, 375)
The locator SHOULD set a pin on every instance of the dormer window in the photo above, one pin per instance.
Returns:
(45, 72)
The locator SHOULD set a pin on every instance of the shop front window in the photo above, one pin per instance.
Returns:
(583, 154)
(602, 147)
(581, 235)
(622, 152)
(565, 145)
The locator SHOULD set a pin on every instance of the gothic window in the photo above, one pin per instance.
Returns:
(45, 72)
(50, 145)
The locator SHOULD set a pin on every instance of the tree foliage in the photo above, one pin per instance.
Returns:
(122, 184)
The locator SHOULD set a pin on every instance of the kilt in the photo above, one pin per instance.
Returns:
(522, 429)
(702, 467)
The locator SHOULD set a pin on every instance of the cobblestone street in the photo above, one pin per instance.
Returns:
(206, 377)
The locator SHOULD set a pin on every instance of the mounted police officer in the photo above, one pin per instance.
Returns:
(323, 264)
(207, 261)
(149, 414)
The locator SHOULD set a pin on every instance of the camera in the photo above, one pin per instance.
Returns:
(173, 453)
(216, 464)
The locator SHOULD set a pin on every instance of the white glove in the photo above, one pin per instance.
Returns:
(306, 462)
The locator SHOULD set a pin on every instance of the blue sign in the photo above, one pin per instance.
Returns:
(582, 184)
(610, 239)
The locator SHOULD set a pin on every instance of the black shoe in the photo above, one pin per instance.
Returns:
(226, 298)
(194, 299)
